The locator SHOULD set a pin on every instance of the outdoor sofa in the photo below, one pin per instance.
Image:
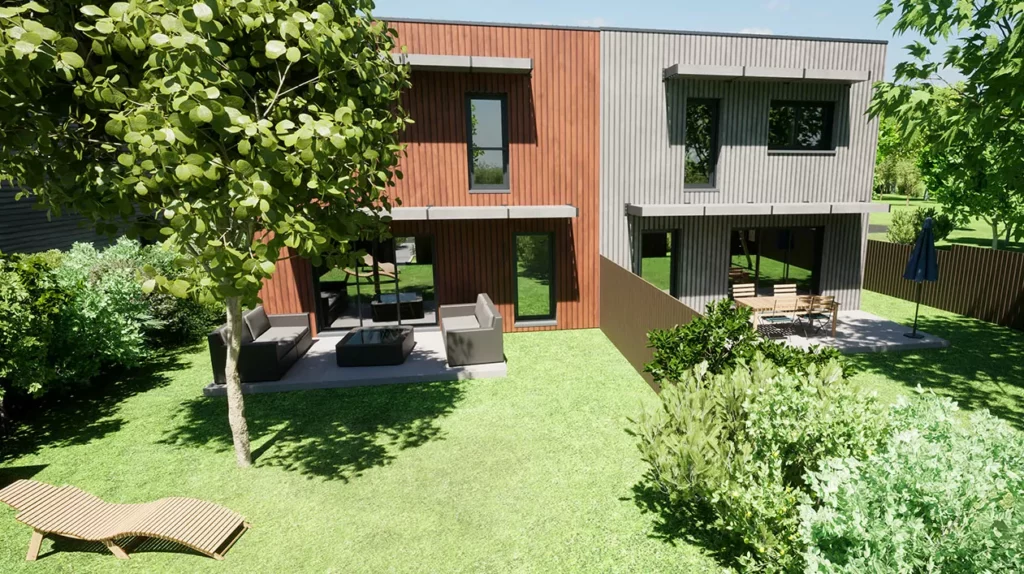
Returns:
(271, 344)
(472, 332)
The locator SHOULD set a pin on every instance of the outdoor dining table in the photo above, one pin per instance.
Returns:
(762, 305)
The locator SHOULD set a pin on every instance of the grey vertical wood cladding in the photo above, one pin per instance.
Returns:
(25, 229)
(643, 152)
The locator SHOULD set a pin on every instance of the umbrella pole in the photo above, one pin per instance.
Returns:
(914, 334)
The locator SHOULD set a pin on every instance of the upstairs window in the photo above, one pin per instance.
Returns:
(701, 143)
(488, 142)
(800, 125)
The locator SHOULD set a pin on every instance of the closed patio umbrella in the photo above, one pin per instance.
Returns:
(922, 266)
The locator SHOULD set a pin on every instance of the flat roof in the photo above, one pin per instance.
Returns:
(620, 29)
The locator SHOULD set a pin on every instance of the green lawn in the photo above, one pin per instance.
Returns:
(976, 234)
(412, 277)
(982, 368)
(657, 271)
(532, 473)
(534, 295)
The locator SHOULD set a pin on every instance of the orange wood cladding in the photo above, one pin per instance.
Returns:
(290, 290)
(554, 155)
(554, 149)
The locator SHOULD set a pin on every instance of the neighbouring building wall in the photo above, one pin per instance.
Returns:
(26, 229)
(553, 120)
(643, 116)
(704, 252)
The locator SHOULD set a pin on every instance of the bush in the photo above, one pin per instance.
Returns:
(736, 447)
(176, 320)
(943, 495)
(906, 224)
(721, 337)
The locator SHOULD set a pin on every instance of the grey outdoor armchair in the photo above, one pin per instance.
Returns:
(472, 332)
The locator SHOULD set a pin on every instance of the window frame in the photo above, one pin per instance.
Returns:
(505, 186)
(827, 136)
(552, 316)
(716, 104)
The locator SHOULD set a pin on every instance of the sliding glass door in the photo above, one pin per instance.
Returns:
(773, 256)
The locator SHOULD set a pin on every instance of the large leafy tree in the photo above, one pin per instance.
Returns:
(227, 129)
(970, 129)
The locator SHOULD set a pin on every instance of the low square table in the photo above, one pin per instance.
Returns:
(375, 346)
(385, 307)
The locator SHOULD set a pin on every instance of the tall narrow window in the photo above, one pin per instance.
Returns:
(701, 143)
(800, 125)
(488, 142)
(535, 276)
(659, 260)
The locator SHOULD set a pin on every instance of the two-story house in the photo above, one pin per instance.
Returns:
(731, 158)
(694, 159)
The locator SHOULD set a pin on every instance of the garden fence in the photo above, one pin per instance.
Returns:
(632, 307)
(986, 284)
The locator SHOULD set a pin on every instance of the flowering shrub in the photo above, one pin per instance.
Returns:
(737, 446)
(944, 494)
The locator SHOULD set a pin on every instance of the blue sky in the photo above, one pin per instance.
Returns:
(832, 18)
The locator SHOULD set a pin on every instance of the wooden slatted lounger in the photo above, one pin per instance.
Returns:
(67, 511)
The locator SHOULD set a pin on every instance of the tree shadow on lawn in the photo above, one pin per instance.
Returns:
(690, 524)
(983, 368)
(330, 434)
(84, 414)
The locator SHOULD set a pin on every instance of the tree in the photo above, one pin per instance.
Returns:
(896, 167)
(229, 129)
(971, 130)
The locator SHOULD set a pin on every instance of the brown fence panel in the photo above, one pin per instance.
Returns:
(630, 308)
(982, 283)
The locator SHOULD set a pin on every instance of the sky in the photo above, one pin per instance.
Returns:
(828, 18)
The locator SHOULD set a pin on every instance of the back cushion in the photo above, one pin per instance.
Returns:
(483, 312)
(257, 322)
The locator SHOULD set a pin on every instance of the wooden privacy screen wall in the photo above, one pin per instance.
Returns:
(632, 307)
(982, 283)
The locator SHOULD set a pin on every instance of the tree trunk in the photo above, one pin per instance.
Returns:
(376, 267)
(995, 235)
(236, 402)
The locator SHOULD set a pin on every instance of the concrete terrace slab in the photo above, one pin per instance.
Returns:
(318, 369)
(862, 332)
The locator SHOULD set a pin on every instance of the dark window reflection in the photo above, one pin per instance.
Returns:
(701, 142)
(800, 125)
(488, 142)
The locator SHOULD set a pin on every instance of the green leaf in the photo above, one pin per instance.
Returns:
(148, 286)
(158, 39)
(326, 12)
(92, 10)
(179, 288)
(275, 49)
(118, 9)
(268, 267)
(293, 54)
(183, 172)
(126, 159)
(202, 12)
(200, 114)
(244, 147)
(72, 59)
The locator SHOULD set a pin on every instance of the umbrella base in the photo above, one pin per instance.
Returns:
(913, 335)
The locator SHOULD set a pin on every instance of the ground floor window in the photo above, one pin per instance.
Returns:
(534, 259)
(772, 256)
(659, 259)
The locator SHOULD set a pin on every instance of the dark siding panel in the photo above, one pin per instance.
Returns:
(25, 229)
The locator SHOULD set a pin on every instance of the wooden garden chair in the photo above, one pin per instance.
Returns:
(784, 290)
(66, 511)
(743, 290)
(785, 312)
(822, 313)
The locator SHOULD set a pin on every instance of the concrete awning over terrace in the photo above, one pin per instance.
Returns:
(470, 64)
(682, 71)
(693, 210)
(483, 212)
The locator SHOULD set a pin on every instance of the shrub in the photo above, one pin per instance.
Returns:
(944, 494)
(906, 224)
(736, 446)
(721, 337)
(176, 320)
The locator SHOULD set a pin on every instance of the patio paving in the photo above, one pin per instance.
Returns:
(318, 369)
(863, 332)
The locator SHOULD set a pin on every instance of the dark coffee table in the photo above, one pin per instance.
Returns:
(384, 307)
(375, 346)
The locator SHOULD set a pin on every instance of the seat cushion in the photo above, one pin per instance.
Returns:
(282, 335)
(459, 323)
(257, 322)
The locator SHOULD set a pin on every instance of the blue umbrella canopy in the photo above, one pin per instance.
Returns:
(923, 264)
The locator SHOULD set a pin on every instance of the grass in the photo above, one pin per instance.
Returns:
(532, 473)
(982, 369)
(976, 234)
(418, 277)
(534, 295)
(657, 271)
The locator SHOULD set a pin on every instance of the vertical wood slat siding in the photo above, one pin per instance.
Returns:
(25, 229)
(554, 155)
(632, 307)
(704, 252)
(290, 290)
(642, 120)
(982, 283)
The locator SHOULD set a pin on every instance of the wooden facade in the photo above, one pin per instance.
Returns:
(554, 152)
